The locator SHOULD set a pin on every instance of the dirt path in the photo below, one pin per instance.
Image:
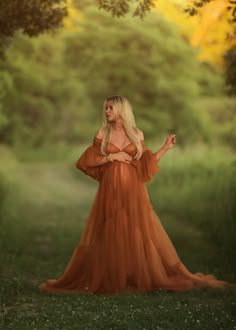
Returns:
(56, 183)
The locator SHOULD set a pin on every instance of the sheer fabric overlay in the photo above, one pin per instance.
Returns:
(124, 247)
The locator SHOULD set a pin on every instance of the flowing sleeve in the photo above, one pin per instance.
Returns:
(147, 166)
(90, 159)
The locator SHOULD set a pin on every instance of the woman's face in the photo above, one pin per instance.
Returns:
(109, 112)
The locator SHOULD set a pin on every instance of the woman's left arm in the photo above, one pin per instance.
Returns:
(170, 141)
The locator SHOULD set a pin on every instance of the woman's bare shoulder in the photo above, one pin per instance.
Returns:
(100, 133)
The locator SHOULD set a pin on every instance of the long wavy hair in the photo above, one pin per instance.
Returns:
(122, 108)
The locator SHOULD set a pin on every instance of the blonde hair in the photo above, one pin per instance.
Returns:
(122, 108)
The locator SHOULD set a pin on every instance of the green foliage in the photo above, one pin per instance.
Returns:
(222, 115)
(32, 17)
(120, 8)
(149, 64)
(10, 193)
(193, 8)
(40, 102)
(206, 197)
(52, 88)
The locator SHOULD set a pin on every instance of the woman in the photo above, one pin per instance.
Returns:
(124, 247)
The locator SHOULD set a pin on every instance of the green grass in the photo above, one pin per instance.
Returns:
(198, 187)
(44, 206)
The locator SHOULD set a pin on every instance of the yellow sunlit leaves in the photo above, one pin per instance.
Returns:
(74, 16)
(173, 11)
(210, 30)
(214, 31)
(211, 13)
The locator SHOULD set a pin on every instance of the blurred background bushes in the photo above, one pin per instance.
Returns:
(52, 88)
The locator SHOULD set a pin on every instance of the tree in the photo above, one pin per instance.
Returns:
(230, 60)
(52, 87)
(215, 32)
(148, 63)
(32, 17)
(40, 102)
(119, 8)
(194, 7)
(140, 8)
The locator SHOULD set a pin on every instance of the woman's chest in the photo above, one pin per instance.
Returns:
(130, 148)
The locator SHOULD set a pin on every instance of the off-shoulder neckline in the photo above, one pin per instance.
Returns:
(142, 141)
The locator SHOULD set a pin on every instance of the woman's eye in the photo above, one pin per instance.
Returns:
(109, 107)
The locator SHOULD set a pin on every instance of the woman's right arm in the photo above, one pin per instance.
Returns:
(170, 141)
(120, 156)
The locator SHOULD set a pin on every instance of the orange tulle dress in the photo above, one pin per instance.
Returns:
(124, 247)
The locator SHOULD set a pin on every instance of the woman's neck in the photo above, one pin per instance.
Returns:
(118, 127)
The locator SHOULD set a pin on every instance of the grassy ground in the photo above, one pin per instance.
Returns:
(42, 219)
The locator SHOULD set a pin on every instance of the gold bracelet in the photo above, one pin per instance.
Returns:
(108, 158)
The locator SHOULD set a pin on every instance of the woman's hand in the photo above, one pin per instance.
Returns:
(170, 141)
(121, 157)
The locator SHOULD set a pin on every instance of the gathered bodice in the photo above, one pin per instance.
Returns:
(129, 149)
(144, 167)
